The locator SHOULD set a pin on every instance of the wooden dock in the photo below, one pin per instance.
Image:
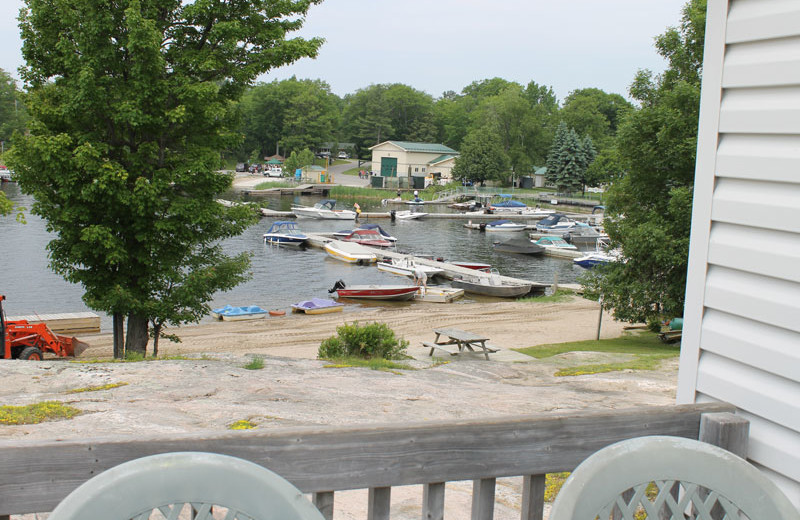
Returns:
(450, 270)
(301, 189)
(65, 323)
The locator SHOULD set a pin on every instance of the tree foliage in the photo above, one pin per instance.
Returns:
(569, 160)
(130, 106)
(482, 158)
(649, 208)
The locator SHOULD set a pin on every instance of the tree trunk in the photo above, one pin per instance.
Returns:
(156, 335)
(119, 335)
(136, 339)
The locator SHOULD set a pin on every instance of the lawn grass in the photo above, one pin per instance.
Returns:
(257, 363)
(383, 365)
(36, 413)
(559, 296)
(647, 349)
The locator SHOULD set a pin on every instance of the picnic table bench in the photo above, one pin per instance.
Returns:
(466, 341)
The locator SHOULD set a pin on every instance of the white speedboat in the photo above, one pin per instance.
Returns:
(350, 252)
(551, 242)
(406, 267)
(556, 223)
(408, 215)
(502, 226)
(324, 209)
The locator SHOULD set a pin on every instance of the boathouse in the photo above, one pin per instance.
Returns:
(413, 160)
(741, 336)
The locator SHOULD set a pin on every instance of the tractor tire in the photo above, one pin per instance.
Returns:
(31, 353)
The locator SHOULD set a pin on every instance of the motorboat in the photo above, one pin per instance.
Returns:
(416, 201)
(324, 209)
(551, 242)
(6, 175)
(502, 226)
(285, 232)
(350, 252)
(475, 266)
(406, 267)
(407, 214)
(317, 306)
(537, 211)
(507, 205)
(594, 258)
(583, 235)
(435, 294)
(520, 246)
(367, 237)
(375, 292)
(555, 223)
(385, 234)
(231, 313)
(492, 285)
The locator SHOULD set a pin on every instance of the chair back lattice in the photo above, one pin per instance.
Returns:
(669, 478)
(671, 499)
(186, 486)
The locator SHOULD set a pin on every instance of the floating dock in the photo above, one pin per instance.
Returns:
(66, 323)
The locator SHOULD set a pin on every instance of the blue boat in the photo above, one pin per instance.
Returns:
(285, 232)
(231, 313)
(594, 259)
(508, 204)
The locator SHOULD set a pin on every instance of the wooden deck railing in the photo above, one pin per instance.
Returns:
(35, 476)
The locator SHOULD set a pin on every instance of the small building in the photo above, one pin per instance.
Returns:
(404, 159)
(317, 175)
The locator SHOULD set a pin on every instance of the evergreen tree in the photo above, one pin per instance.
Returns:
(568, 160)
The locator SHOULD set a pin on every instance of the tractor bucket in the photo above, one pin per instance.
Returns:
(73, 346)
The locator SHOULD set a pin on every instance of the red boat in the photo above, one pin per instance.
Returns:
(375, 292)
(367, 237)
(478, 266)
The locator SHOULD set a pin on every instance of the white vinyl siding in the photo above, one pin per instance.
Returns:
(742, 321)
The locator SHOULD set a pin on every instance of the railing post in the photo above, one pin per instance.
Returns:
(324, 502)
(533, 497)
(483, 499)
(432, 501)
(380, 499)
(728, 431)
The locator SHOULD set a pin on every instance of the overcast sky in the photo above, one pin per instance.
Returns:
(441, 45)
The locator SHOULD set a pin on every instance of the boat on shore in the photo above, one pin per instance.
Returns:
(434, 294)
(285, 232)
(406, 267)
(492, 286)
(350, 252)
(375, 292)
(231, 313)
(324, 209)
(520, 246)
(317, 306)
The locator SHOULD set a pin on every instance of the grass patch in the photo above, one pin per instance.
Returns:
(383, 365)
(98, 388)
(257, 363)
(647, 349)
(36, 413)
(560, 296)
(274, 184)
(244, 424)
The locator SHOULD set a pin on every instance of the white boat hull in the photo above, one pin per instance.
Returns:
(350, 252)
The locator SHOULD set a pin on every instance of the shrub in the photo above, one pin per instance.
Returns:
(373, 340)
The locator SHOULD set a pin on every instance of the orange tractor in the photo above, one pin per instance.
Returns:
(23, 340)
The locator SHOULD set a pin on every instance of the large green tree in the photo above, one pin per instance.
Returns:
(482, 158)
(649, 207)
(130, 104)
(13, 115)
(569, 159)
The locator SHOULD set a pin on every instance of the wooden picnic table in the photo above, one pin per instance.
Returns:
(463, 339)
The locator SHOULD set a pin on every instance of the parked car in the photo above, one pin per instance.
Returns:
(343, 155)
(323, 155)
(241, 167)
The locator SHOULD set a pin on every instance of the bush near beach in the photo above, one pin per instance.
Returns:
(373, 340)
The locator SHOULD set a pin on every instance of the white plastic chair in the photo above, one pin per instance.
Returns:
(196, 485)
(690, 479)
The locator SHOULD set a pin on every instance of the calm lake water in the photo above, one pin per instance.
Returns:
(280, 276)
